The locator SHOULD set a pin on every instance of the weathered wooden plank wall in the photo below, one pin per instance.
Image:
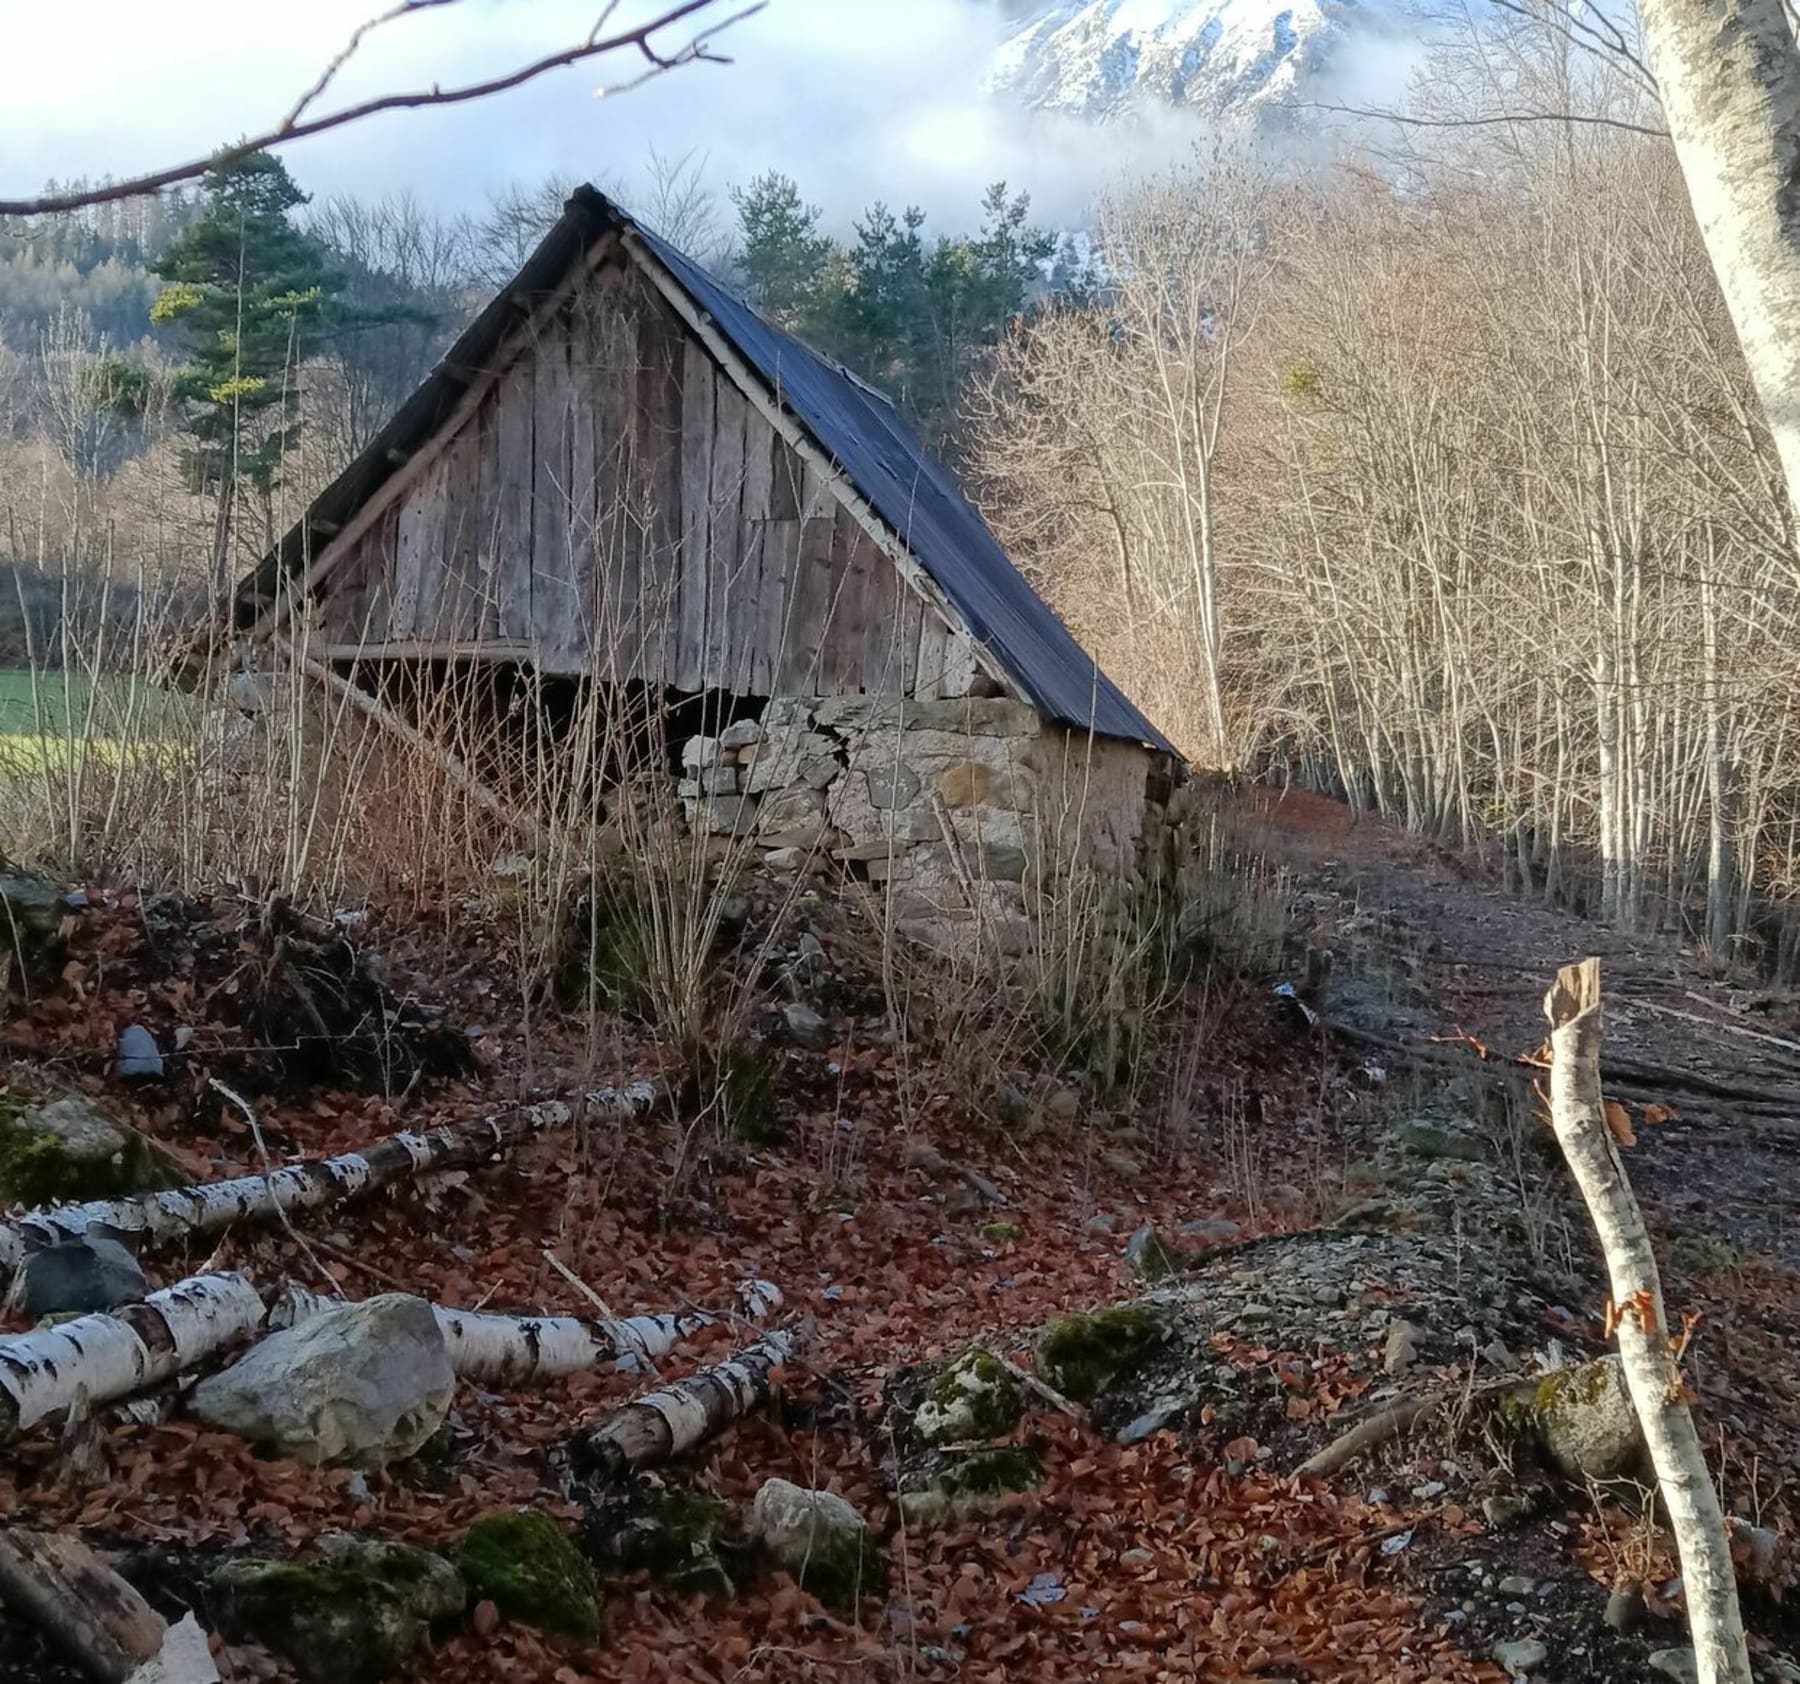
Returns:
(613, 503)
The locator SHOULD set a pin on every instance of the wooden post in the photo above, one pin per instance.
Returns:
(68, 1590)
(1577, 1112)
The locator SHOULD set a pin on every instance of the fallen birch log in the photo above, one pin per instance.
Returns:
(113, 1355)
(1652, 1367)
(150, 1219)
(664, 1424)
(489, 1349)
(68, 1591)
(1389, 1420)
(104, 1357)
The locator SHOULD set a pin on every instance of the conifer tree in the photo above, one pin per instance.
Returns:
(251, 293)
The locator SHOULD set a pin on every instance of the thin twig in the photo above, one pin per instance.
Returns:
(1498, 119)
(288, 131)
(579, 1284)
(344, 1255)
(348, 51)
(1043, 1388)
(262, 1151)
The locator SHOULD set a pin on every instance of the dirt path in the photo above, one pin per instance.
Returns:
(1418, 950)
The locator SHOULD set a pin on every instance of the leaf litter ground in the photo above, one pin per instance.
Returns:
(1172, 1558)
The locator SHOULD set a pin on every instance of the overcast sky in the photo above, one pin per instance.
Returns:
(858, 99)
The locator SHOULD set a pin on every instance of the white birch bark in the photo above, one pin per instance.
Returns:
(1728, 72)
(106, 1357)
(664, 1424)
(1652, 1374)
(151, 1219)
(490, 1349)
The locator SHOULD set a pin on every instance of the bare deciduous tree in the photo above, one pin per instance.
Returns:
(1101, 429)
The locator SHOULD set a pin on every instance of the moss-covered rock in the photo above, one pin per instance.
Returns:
(672, 1534)
(1585, 1420)
(1151, 1257)
(1704, 1254)
(972, 1484)
(974, 1397)
(1429, 1141)
(68, 1150)
(353, 1618)
(994, 1471)
(1001, 1233)
(820, 1541)
(1084, 1355)
(523, 1562)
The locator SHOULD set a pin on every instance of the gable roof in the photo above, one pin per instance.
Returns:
(852, 425)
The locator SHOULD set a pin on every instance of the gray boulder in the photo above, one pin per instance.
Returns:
(79, 1276)
(1520, 1657)
(368, 1383)
(1585, 1419)
(79, 1127)
(806, 1026)
(1401, 1350)
(69, 1149)
(819, 1540)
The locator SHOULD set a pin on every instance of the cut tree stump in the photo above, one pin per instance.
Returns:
(73, 1595)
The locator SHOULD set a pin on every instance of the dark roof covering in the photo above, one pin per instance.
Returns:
(851, 423)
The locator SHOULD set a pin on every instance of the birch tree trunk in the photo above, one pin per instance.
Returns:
(665, 1424)
(109, 1356)
(208, 1207)
(513, 1351)
(1728, 72)
(1651, 1371)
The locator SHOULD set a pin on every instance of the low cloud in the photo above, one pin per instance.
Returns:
(858, 100)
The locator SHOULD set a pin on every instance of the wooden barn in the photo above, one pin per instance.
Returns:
(623, 473)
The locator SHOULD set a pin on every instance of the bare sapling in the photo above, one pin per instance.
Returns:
(1649, 1353)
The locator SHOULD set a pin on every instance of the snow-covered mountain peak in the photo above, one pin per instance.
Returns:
(1100, 58)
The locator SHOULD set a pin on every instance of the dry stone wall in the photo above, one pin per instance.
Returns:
(950, 807)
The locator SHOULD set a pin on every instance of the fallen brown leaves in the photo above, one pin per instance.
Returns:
(1147, 1562)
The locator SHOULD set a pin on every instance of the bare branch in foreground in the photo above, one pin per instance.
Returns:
(296, 125)
(1497, 119)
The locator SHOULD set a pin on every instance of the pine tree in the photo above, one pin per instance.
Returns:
(791, 271)
(251, 294)
(884, 319)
